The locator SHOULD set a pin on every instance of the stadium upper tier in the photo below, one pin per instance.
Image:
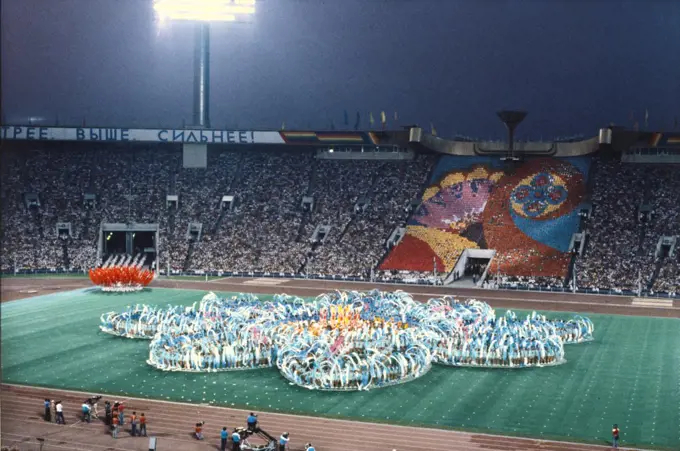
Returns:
(527, 215)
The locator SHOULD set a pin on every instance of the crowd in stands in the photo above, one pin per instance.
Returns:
(358, 243)
(266, 228)
(623, 236)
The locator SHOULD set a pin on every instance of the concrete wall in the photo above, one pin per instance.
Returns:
(465, 148)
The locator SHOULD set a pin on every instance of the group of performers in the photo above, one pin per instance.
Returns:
(121, 279)
(344, 340)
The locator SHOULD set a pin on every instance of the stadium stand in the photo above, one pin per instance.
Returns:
(267, 231)
(622, 240)
(527, 214)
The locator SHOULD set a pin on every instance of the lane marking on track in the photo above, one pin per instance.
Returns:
(653, 302)
(265, 282)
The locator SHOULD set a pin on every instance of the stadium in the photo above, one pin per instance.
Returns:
(118, 240)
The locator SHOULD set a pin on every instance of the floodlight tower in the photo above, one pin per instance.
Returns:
(203, 12)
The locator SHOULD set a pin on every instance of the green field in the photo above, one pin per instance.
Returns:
(629, 375)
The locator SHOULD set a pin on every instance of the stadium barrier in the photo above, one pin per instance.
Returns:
(422, 282)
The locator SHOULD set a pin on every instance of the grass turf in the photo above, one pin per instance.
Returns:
(630, 375)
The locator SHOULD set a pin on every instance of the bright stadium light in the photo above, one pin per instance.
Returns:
(204, 10)
(202, 13)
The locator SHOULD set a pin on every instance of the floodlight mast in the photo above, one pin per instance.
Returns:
(203, 12)
(202, 76)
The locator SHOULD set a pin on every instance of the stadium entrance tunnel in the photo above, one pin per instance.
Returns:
(139, 240)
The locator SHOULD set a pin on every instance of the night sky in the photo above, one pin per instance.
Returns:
(574, 65)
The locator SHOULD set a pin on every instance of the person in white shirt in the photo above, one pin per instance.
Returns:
(283, 441)
(60, 413)
(236, 440)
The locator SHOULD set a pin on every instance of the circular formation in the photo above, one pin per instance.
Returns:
(538, 195)
(344, 340)
(121, 279)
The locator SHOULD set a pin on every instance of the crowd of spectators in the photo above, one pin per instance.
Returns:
(622, 235)
(385, 188)
(266, 228)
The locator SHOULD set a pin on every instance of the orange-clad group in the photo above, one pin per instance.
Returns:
(121, 275)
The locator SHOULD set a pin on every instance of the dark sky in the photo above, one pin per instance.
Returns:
(574, 65)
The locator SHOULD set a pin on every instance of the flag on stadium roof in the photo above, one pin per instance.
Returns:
(646, 118)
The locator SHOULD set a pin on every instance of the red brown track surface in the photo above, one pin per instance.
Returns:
(172, 423)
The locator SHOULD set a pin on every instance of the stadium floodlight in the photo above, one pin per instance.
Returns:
(204, 10)
(202, 13)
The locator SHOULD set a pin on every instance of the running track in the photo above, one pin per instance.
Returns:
(172, 423)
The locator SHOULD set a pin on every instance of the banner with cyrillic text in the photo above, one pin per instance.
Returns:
(207, 136)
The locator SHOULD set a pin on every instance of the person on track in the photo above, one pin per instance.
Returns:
(252, 422)
(48, 410)
(108, 417)
(59, 408)
(142, 425)
(133, 424)
(86, 412)
(224, 436)
(283, 441)
(615, 436)
(114, 427)
(236, 441)
(198, 430)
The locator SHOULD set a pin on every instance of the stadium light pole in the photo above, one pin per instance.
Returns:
(202, 13)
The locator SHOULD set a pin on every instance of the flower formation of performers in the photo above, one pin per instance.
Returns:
(121, 279)
(344, 340)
